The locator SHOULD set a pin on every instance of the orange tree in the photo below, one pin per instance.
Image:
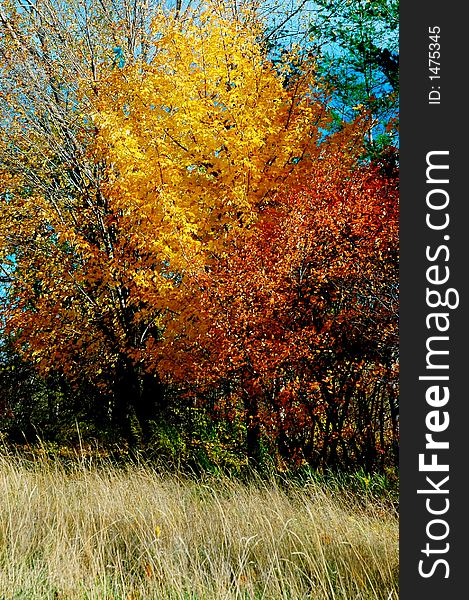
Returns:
(298, 336)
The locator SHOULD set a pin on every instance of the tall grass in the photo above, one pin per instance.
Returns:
(133, 533)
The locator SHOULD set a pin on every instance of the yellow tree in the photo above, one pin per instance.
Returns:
(172, 153)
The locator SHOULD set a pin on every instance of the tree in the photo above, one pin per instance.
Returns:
(47, 48)
(357, 47)
(128, 172)
(299, 322)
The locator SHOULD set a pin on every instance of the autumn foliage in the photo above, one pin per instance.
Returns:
(300, 321)
(202, 230)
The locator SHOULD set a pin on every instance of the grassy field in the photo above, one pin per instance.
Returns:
(133, 533)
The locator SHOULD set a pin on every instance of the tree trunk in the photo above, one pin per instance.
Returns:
(253, 433)
(126, 392)
(150, 404)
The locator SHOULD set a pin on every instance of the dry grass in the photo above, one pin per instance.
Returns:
(128, 534)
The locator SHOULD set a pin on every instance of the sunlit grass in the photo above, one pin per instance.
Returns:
(125, 534)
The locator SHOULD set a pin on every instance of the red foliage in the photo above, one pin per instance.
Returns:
(299, 319)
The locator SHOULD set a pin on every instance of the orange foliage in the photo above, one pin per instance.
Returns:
(302, 316)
